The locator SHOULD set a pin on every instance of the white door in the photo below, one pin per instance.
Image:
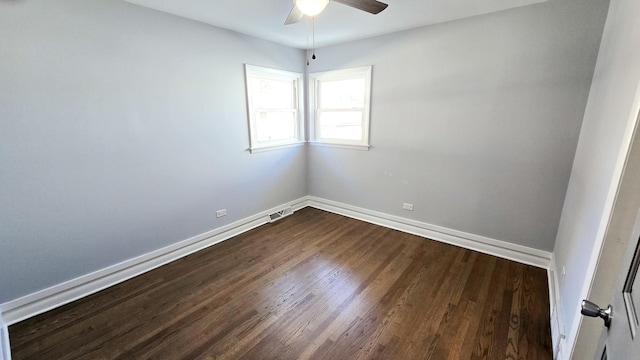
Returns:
(615, 281)
(620, 340)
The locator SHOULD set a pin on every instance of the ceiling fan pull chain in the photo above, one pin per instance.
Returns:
(314, 38)
(307, 31)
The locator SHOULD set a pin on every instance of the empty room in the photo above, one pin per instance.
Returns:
(319, 179)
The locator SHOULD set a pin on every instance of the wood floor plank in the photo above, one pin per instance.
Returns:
(314, 285)
(486, 339)
(513, 340)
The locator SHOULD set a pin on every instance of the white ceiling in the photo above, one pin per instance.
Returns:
(338, 23)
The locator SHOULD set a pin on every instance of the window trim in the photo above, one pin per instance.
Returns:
(252, 71)
(333, 75)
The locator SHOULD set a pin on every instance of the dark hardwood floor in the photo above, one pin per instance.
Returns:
(314, 285)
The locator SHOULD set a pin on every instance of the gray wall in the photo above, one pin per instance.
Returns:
(123, 130)
(475, 121)
(609, 113)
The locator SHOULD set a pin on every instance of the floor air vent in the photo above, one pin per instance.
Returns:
(280, 214)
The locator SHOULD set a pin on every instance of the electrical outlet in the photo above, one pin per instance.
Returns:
(221, 213)
(407, 206)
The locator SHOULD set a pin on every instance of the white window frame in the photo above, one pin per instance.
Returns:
(253, 71)
(315, 79)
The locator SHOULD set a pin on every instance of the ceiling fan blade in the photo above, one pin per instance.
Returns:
(294, 16)
(370, 6)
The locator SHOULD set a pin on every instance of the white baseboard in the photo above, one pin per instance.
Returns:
(502, 249)
(558, 333)
(58, 295)
(5, 349)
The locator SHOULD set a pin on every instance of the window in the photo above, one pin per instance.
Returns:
(340, 101)
(274, 105)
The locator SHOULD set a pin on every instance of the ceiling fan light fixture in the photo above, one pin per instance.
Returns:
(311, 7)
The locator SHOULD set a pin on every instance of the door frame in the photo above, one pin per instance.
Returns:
(588, 289)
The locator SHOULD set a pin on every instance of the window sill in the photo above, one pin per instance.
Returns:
(341, 146)
(275, 147)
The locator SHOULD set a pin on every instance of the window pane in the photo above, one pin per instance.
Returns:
(342, 94)
(345, 125)
(275, 125)
(272, 94)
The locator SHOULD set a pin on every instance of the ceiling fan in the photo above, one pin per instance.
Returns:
(314, 7)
